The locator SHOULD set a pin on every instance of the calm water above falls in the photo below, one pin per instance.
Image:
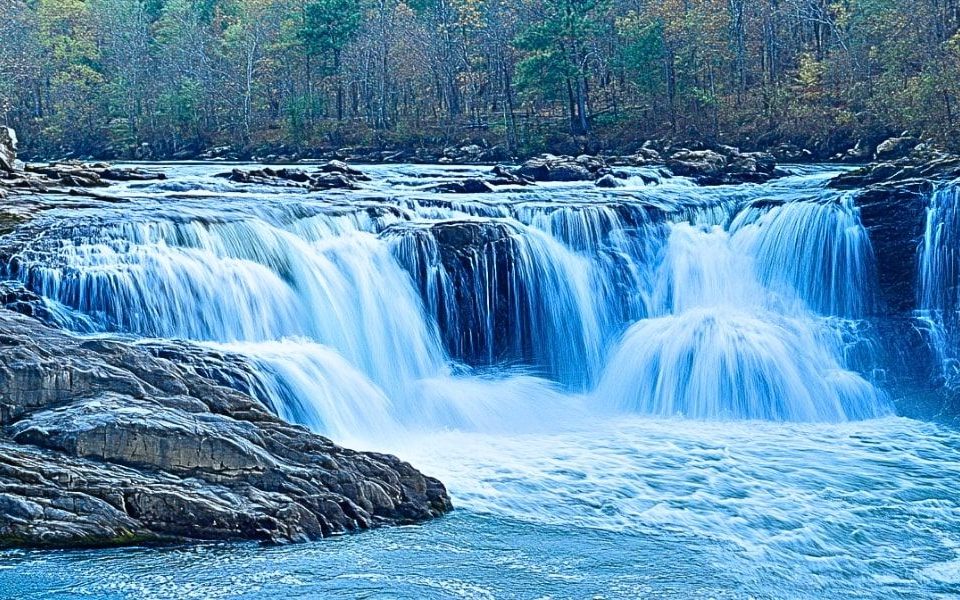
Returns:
(660, 391)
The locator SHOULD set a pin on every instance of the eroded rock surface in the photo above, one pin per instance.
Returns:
(107, 442)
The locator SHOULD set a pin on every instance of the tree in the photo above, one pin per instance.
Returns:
(327, 27)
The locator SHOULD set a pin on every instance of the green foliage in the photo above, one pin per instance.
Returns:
(91, 76)
(328, 25)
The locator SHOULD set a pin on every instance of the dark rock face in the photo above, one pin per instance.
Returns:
(107, 442)
(893, 205)
(895, 215)
(471, 265)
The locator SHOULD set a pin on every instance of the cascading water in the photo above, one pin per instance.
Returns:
(939, 292)
(722, 345)
(717, 319)
(677, 377)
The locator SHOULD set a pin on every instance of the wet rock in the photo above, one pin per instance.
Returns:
(923, 163)
(506, 176)
(477, 259)
(110, 442)
(341, 168)
(562, 168)
(895, 217)
(791, 153)
(332, 175)
(467, 186)
(723, 165)
(608, 181)
(115, 174)
(858, 154)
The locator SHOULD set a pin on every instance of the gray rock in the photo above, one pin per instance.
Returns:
(562, 168)
(472, 185)
(723, 165)
(8, 149)
(895, 148)
(112, 442)
(332, 175)
(608, 181)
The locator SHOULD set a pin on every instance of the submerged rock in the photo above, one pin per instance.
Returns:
(110, 442)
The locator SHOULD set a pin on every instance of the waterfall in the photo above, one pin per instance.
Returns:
(815, 249)
(367, 316)
(503, 293)
(248, 281)
(725, 346)
(939, 290)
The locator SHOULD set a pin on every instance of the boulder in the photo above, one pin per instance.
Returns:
(8, 149)
(562, 168)
(723, 165)
(332, 175)
(341, 168)
(895, 148)
(697, 163)
(107, 442)
(790, 153)
(472, 185)
(608, 181)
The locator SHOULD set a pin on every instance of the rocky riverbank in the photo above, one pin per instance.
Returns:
(893, 194)
(106, 442)
(110, 442)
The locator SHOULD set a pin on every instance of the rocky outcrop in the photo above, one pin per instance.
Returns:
(8, 149)
(895, 217)
(893, 197)
(474, 263)
(472, 185)
(111, 442)
(894, 148)
(562, 168)
(923, 165)
(722, 165)
(332, 175)
(74, 178)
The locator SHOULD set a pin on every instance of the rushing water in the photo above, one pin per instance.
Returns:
(658, 391)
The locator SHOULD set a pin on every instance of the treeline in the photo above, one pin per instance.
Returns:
(157, 77)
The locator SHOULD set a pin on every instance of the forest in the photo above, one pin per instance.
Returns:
(166, 78)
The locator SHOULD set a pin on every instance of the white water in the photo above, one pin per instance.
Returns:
(651, 361)
(939, 275)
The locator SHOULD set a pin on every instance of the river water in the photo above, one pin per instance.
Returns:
(657, 391)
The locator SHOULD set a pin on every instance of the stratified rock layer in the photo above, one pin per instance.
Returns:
(109, 442)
